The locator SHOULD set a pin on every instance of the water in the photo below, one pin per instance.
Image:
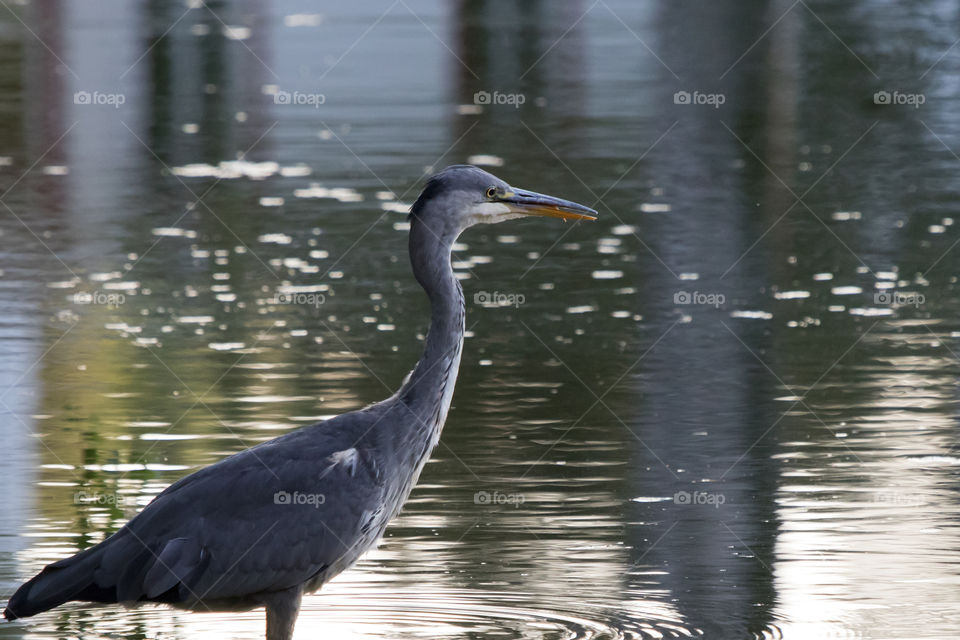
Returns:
(694, 417)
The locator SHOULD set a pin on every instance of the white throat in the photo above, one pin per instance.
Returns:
(492, 213)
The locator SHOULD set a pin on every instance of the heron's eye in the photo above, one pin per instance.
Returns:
(491, 192)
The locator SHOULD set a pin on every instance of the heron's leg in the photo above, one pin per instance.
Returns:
(283, 607)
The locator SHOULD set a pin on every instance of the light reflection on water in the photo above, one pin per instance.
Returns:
(247, 275)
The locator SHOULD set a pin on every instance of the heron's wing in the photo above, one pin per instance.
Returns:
(263, 520)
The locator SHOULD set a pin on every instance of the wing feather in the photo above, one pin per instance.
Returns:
(265, 519)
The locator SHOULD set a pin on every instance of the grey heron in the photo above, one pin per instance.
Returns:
(266, 525)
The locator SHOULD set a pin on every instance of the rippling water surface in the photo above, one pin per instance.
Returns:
(726, 409)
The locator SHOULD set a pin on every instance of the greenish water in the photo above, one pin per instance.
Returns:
(726, 409)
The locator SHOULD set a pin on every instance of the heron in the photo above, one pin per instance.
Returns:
(264, 526)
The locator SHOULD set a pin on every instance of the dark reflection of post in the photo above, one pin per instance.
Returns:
(706, 400)
(525, 49)
(48, 89)
(699, 378)
(201, 77)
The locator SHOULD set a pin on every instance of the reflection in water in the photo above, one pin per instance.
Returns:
(206, 266)
(858, 535)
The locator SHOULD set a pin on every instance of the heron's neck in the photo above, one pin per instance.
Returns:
(429, 388)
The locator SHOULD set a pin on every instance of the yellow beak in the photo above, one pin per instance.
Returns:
(537, 204)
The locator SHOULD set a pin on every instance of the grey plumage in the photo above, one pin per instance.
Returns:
(264, 526)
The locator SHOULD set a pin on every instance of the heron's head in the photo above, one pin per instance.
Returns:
(462, 195)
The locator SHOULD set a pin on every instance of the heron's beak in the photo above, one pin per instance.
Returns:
(531, 203)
